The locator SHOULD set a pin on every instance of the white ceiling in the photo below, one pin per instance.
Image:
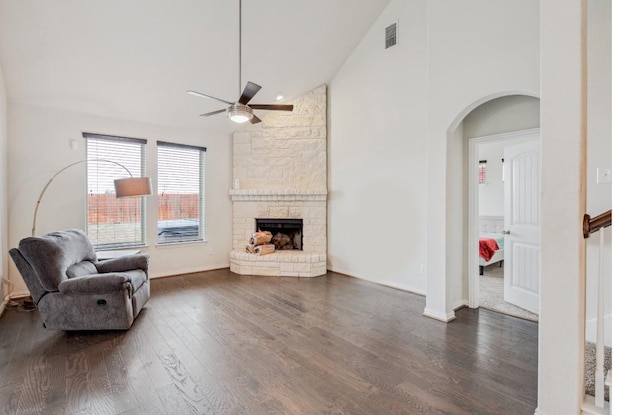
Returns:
(135, 59)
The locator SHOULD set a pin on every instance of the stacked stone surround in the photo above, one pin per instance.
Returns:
(280, 165)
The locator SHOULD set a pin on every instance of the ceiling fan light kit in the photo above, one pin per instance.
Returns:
(240, 112)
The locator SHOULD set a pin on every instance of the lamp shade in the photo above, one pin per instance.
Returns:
(132, 186)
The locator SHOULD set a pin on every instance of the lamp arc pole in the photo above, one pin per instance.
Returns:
(46, 186)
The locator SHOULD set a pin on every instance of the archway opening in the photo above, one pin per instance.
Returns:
(492, 115)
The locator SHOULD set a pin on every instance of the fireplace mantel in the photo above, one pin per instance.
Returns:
(266, 195)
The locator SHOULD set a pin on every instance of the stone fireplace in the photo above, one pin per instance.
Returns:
(280, 174)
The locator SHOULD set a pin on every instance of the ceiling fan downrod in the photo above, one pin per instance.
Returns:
(240, 47)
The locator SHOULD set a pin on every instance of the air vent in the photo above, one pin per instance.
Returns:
(391, 35)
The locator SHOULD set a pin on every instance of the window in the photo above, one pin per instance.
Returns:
(111, 222)
(482, 172)
(180, 193)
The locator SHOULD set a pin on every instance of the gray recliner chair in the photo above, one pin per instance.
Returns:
(75, 291)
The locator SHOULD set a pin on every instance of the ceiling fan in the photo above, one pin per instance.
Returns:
(240, 111)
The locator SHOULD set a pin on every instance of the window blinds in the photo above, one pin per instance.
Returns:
(111, 222)
(180, 192)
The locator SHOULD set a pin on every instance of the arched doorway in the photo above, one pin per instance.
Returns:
(492, 115)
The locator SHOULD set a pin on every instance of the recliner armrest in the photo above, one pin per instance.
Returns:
(96, 284)
(124, 263)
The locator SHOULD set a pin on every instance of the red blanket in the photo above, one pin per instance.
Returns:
(488, 247)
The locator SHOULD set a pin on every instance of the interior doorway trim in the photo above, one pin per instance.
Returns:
(474, 203)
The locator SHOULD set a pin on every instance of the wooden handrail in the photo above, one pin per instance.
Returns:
(590, 226)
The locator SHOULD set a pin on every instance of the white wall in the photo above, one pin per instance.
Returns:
(563, 203)
(39, 146)
(501, 115)
(377, 200)
(3, 186)
(457, 221)
(491, 193)
(391, 115)
(491, 50)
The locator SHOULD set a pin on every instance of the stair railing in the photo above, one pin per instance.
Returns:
(590, 226)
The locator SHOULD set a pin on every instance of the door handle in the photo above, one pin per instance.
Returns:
(506, 232)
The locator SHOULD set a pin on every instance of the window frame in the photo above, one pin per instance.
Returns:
(163, 146)
(106, 161)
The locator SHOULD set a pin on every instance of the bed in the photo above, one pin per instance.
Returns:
(491, 243)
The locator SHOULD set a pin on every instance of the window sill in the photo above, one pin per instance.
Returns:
(176, 244)
(122, 248)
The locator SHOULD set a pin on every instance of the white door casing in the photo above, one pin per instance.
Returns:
(509, 138)
(522, 225)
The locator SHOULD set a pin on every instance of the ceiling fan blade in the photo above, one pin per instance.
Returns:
(200, 94)
(249, 92)
(255, 119)
(272, 107)
(213, 113)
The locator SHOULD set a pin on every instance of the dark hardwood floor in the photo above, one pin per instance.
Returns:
(219, 343)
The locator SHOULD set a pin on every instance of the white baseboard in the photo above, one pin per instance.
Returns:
(589, 407)
(399, 287)
(14, 295)
(188, 271)
(461, 303)
(437, 315)
(383, 283)
(19, 294)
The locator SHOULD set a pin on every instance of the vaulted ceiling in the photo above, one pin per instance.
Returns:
(135, 59)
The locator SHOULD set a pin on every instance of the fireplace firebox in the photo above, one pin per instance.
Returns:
(287, 233)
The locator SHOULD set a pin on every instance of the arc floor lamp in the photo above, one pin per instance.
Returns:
(126, 187)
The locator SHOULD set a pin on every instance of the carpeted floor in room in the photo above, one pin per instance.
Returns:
(492, 294)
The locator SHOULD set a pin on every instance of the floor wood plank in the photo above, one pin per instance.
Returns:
(219, 343)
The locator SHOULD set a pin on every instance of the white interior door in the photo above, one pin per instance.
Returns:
(522, 225)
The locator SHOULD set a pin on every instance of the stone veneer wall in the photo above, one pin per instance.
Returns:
(281, 167)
